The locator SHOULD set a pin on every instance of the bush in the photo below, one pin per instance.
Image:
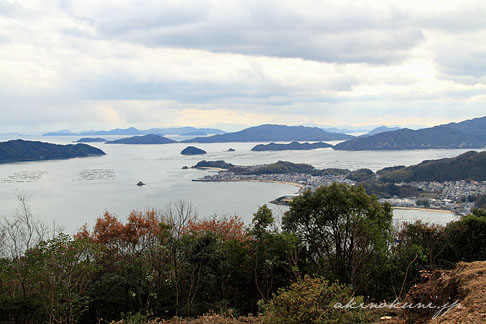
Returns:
(313, 301)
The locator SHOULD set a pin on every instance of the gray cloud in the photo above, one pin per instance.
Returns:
(336, 34)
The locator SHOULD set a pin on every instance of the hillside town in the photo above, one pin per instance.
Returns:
(456, 196)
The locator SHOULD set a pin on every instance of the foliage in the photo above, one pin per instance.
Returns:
(313, 301)
(168, 263)
(388, 190)
(213, 164)
(361, 175)
(280, 167)
(480, 202)
(466, 238)
(230, 228)
(347, 232)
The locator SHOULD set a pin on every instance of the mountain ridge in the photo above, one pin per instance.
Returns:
(23, 151)
(272, 132)
(468, 134)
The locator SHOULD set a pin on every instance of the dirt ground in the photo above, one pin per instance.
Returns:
(459, 296)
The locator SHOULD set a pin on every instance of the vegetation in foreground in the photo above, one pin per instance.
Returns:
(334, 244)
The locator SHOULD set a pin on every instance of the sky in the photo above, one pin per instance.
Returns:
(92, 64)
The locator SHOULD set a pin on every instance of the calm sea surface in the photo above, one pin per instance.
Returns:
(77, 191)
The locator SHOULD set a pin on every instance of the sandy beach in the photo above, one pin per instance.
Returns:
(426, 209)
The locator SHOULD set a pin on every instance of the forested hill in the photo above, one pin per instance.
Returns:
(20, 150)
(290, 146)
(467, 166)
(268, 133)
(466, 134)
(146, 139)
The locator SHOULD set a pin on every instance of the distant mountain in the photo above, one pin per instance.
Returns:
(135, 131)
(90, 140)
(291, 146)
(467, 166)
(20, 150)
(267, 133)
(344, 129)
(145, 139)
(382, 129)
(191, 150)
(466, 134)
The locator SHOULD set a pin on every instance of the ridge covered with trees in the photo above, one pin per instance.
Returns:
(144, 139)
(466, 134)
(290, 146)
(467, 166)
(20, 150)
(268, 133)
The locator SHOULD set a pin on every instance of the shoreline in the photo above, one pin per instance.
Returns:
(209, 168)
(295, 184)
(445, 211)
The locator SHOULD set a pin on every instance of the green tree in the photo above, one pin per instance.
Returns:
(347, 232)
(466, 238)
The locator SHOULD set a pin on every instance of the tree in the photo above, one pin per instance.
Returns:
(347, 232)
(466, 238)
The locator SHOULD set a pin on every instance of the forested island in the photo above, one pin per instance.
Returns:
(145, 139)
(90, 140)
(267, 133)
(192, 150)
(20, 150)
(290, 146)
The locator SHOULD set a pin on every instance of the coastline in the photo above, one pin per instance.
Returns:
(445, 211)
(209, 168)
(296, 184)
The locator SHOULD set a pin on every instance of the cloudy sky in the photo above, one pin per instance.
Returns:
(92, 64)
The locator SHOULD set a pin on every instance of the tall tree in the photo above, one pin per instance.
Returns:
(347, 232)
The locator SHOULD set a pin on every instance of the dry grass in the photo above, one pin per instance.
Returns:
(465, 284)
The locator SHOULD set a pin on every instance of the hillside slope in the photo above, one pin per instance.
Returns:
(466, 134)
(268, 133)
(467, 166)
(20, 150)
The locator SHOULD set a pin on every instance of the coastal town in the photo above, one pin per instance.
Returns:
(455, 196)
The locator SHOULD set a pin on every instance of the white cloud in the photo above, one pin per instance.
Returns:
(87, 64)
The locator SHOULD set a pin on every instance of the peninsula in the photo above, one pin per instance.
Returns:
(449, 184)
(20, 151)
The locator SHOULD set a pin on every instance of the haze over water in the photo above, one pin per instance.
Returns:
(77, 191)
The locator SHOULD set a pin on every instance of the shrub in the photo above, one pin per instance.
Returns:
(313, 301)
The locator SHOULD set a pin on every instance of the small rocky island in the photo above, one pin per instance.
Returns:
(90, 140)
(145, 139)
(291, 146)
(192, 150)
(231, 149)
(20, 150)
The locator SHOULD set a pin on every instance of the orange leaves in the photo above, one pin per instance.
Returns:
(140, 228)
(231, 228)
